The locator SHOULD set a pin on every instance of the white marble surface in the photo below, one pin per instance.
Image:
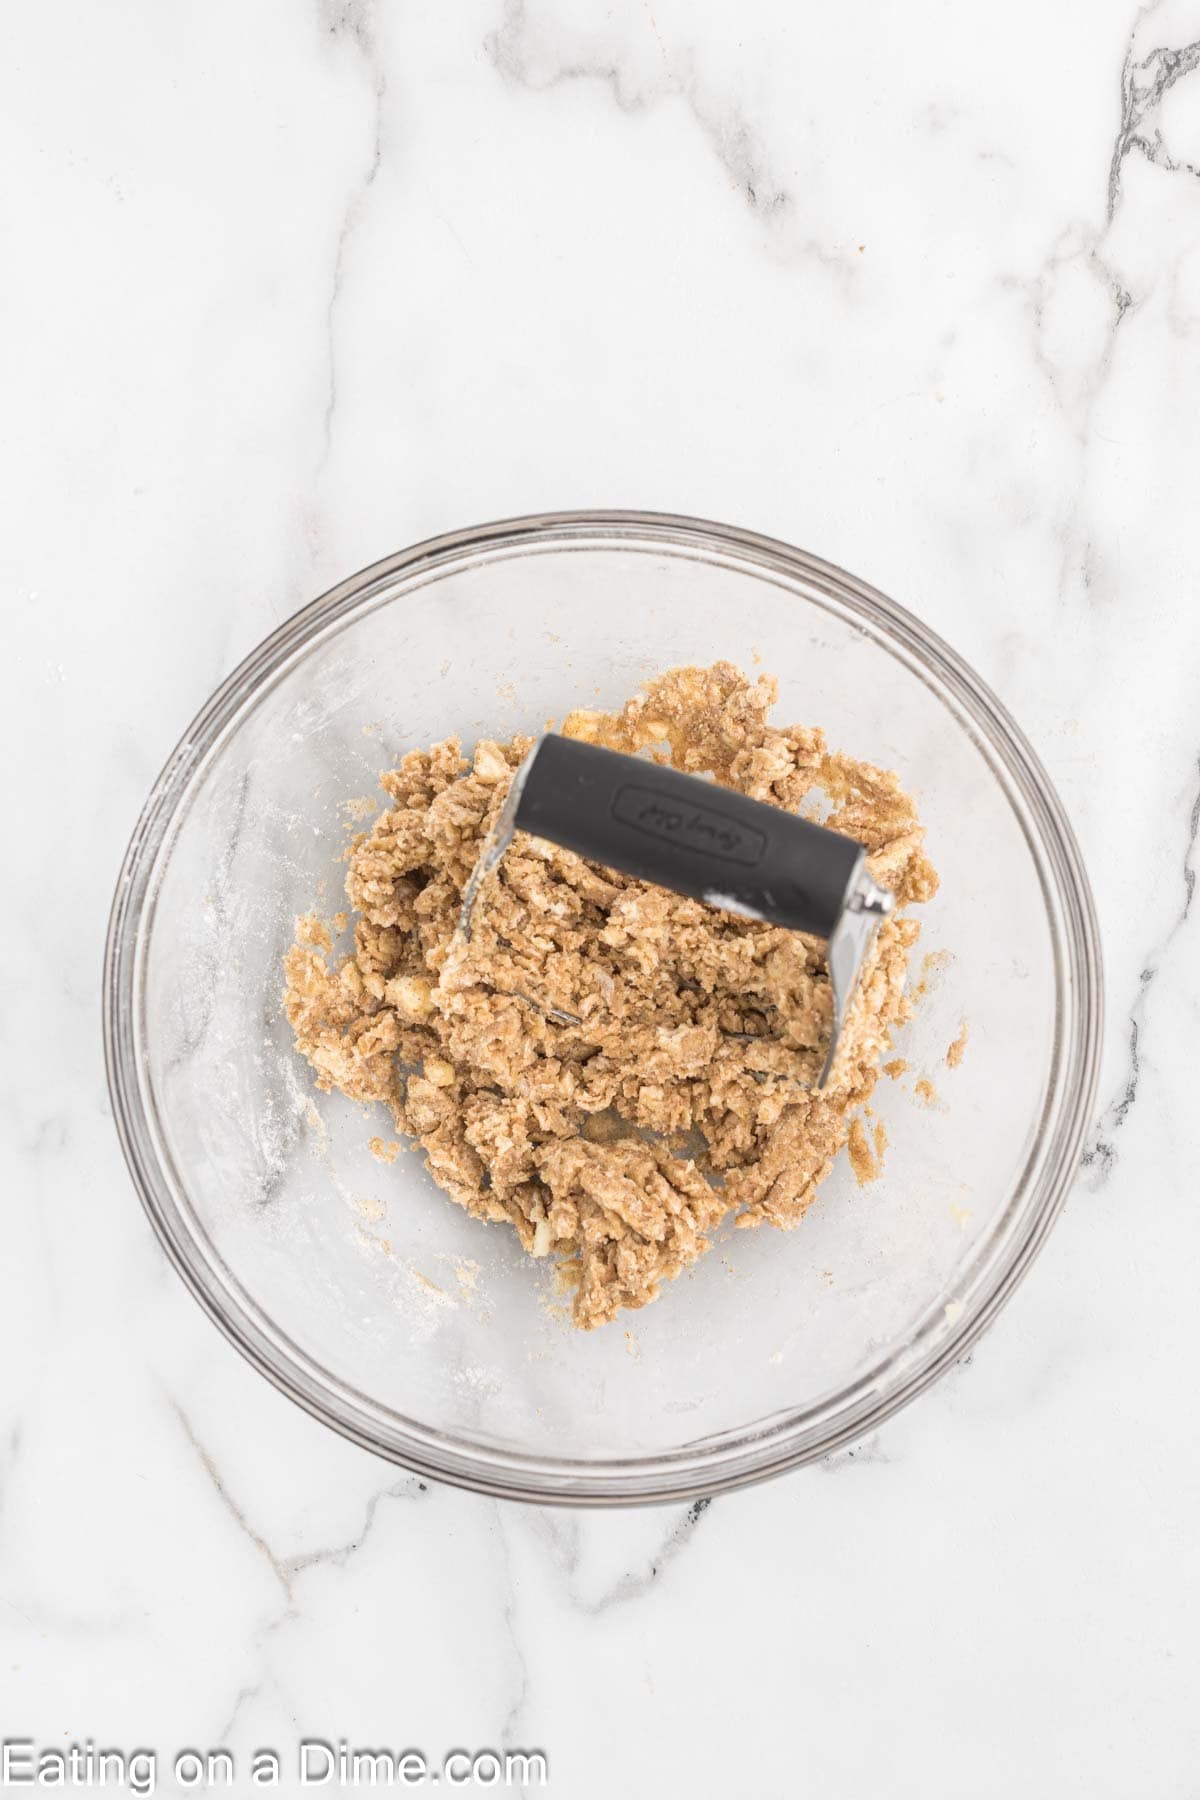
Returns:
(288, 286)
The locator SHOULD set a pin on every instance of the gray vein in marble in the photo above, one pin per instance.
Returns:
(1144, 83)
(338, 1555)
(563, 1535)
(1100, 1156)
(1155, 151)
(730, 136)
(1078, 390)
(507, 50)
(1079, 247)
(229, 1503)
(1145, 80)
(287, 1569)
(508, 1612)
(250, 1691)
(352, 21)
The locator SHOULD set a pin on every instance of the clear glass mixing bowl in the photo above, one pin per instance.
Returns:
(359, 1289)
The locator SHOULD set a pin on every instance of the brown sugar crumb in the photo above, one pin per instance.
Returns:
(862, 1157)
(957, 1050)
(925, 1091)
(881, 1140)
(933, 964)
(895, 1068)
(609, 1068)
(313, 932)
(384, 1151)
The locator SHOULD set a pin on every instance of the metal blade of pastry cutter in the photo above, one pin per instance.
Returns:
(708, 842)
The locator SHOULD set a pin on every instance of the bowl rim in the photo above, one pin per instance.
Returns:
(756, 1454)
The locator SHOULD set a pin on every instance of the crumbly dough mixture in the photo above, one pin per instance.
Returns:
(607, 1067)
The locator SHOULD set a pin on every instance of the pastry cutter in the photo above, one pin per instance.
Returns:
(684, 833)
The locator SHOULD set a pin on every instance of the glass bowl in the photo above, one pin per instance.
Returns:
(358, 1288)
